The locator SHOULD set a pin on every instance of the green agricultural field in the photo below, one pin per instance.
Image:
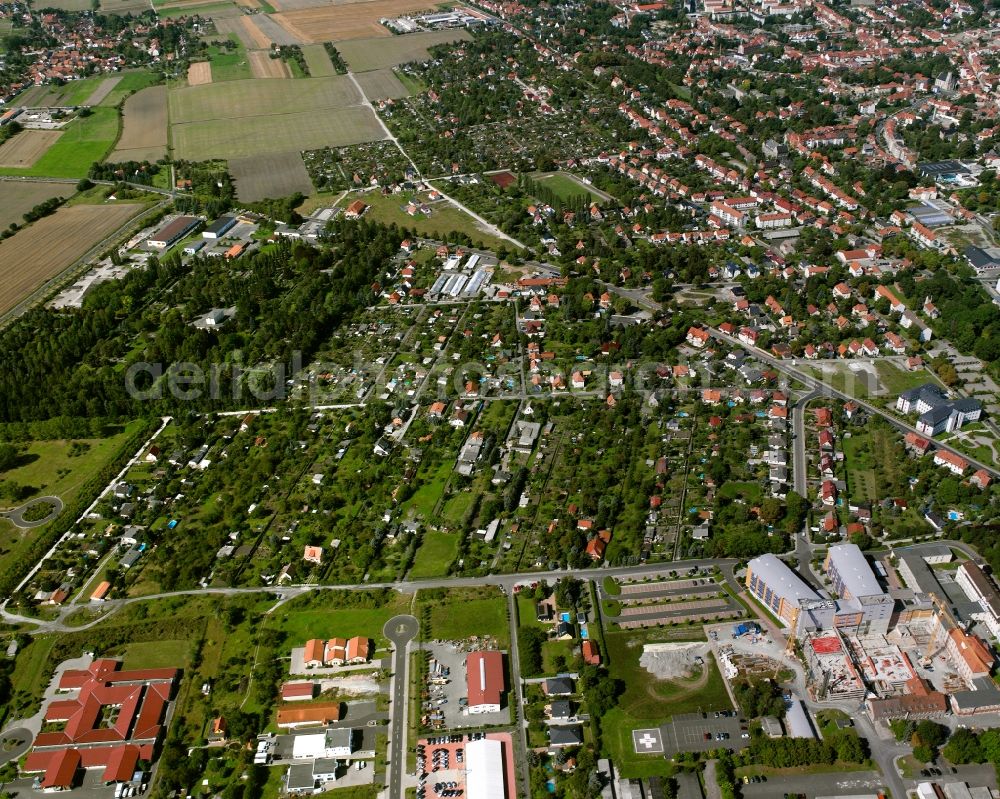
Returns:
(84, 141)
(318, 61)
(445, 218)
(130, 82)
(250, 136)
(464, 612)
(437, 552)
(364, 55)
(252, 117)
(250, 98)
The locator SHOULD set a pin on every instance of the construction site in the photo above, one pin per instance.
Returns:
(924, 667)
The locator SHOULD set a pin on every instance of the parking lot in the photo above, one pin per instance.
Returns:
(451, 697)
(698, 732)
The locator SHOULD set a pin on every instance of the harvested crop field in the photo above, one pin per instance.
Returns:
(258, 39)
(144, 132)
(263, 66)
(335, 23)
(52, 244)
(276, 175)
(102, 91)
(25, 148)
(363, 55)
(18, 197)
(382, 84)
(318, 61)
(273, 31)
(123, 7)
(200, 73)
(248, 98)
(254, 136)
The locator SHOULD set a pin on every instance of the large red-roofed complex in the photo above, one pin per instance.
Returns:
(114, 720)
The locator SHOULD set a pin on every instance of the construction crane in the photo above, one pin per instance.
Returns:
(948, 622)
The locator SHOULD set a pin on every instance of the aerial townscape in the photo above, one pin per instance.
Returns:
(500, 399)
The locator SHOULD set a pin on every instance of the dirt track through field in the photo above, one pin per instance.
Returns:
(103, 90)
(200, 73)
(24, 149)
(52, 244)
(263, 66)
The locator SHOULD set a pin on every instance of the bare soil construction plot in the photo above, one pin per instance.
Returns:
(263, 66)
(24, 149)
(52, 244)
(200, 73)
(313, 25)
(103, 90)
(318, 61)
(263, 176)
(363, 55)
(17, 197)
(382, 84)
(144, 132)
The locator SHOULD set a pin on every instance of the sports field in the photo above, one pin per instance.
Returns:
(382, 84)
(52, 244)
(17, 197)
(275, 175)
(26, 147)
(144, 131)
(340, 22)
(363, 55)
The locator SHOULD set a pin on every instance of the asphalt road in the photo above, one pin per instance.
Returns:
(828, 390)
(400, 630)
(16, 515)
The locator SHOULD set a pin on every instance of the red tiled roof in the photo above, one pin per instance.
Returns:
(484, 677)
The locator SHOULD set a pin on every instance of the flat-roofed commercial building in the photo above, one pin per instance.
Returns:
(780, 589)
(980, 588)
(484, 769)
